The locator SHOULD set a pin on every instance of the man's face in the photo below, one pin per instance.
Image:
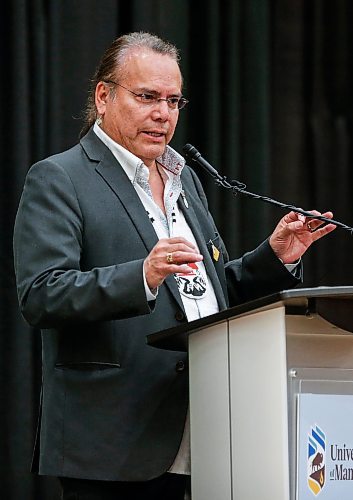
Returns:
(141, 128)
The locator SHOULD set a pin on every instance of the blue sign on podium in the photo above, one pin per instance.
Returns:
(325, 447)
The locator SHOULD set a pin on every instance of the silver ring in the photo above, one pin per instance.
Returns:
(170, 259)
(308, 225)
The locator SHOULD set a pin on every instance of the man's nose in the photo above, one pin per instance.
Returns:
(161, 110)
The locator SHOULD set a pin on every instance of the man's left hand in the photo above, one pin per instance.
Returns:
(295, 233)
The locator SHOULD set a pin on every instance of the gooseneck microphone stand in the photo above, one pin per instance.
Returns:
(238, 187)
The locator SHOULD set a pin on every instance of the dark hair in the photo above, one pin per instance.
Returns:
(112, 65)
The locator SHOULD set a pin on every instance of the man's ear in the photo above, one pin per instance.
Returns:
(101, 96)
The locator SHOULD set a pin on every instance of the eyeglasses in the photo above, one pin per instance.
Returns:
(151, 99)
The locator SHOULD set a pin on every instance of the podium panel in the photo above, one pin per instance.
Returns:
(259, 424)
(210, 413)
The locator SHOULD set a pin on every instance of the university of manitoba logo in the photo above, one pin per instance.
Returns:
(316, 459)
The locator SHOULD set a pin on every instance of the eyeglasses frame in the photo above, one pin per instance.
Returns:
(182, 101)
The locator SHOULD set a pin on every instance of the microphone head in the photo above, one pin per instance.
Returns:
(191, 151)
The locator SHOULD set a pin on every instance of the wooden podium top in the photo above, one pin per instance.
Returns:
(334, 304)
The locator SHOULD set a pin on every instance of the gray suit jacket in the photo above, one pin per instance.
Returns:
(112, 407)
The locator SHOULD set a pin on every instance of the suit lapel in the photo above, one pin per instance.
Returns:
(120, 184)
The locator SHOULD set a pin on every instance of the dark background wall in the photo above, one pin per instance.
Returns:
(269, 83)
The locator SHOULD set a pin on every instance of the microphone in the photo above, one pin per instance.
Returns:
(238, 187)
(195, 155)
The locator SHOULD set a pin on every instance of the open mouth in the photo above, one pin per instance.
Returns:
(155, 134)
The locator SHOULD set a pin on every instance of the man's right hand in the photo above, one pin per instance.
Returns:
(169, 256)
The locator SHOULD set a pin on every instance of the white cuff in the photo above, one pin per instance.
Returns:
(150, 294)
(292, 267)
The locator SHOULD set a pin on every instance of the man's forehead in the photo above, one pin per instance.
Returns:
(147, 67)
(142, 54)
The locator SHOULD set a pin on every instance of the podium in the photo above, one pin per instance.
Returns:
(249, 365)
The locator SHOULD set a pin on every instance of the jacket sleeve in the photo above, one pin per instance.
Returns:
(259, 273)
(52, 289)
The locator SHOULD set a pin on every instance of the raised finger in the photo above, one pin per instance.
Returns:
(179, 240)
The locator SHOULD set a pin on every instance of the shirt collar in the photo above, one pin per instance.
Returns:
(171, 161)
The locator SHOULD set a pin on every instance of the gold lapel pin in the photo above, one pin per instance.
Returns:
(215, 253)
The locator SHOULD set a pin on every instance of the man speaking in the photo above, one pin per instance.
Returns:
(113, 241)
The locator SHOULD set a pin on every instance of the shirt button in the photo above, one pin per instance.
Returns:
(179, 316)
(179, 366)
